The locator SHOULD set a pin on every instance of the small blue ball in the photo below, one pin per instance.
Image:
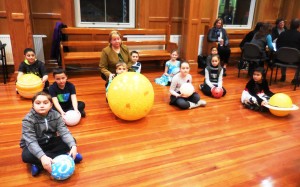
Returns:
(63, 167)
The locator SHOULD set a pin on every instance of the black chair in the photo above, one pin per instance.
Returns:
(3, 60)
(251, 54)
(289, 58)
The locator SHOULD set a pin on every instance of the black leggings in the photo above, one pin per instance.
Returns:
(224, 52)
(81, 106)
(207, 90)
(54, 148)
(183, 103)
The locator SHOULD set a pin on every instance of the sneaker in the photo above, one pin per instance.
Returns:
(78, 158)
(201, 102)
(35, 170)
(83, 114)
(201, 86)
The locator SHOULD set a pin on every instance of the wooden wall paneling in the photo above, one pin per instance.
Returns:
(190, 34)
(3, 18)
(44, 19)
(290, 9)
(296, 9)
(45, 26)
(67, 12)
(62, 10)
(208, 14)
(20, 28)
(149, 14)
(2, 5)
(142, 14)
(158, 14)
(4, 23)
(267, 11)
(176, 13)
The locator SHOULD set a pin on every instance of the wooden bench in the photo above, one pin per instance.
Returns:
(235, 38)
(84, 45)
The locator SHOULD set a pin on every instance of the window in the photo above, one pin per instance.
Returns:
(237, 13)
(105, 13)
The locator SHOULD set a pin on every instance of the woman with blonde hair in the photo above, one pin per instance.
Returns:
(112, 54)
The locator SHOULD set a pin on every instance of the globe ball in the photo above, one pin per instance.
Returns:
(187, 89)
(28, 85)
(72, 117)
(217, 92)
(280, 100)
(63, 167)
(130, 96)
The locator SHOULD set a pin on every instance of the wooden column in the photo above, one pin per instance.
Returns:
(20, 28)
(190, 34)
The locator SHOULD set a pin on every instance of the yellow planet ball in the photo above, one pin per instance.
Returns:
(130, 96)
(280, 100)
(28, 85)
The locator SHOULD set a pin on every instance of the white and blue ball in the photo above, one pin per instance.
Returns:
(63, 167)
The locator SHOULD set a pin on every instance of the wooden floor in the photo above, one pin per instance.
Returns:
(222, 144)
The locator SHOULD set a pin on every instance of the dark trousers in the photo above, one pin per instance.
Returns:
(207, 90)
(224, 52)
(54, 148)
(81, 106)
(183, 103)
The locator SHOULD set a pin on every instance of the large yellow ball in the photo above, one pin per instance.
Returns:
(130, 96)
(28, 85)
(280, 100)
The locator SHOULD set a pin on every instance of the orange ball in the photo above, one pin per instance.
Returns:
(283, 101)
(28, 85)
(130, 96)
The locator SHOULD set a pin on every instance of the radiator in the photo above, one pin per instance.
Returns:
(38, 47)
(5, 39)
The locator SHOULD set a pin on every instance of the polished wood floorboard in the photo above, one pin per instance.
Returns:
(222, 144)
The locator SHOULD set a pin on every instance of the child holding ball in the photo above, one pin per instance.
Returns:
(33, 66)
(64, 94)
(257, 92)
(179, 99)
(213, 77)
(45, 135)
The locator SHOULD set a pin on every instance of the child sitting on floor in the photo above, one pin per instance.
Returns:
(63, 94)
(171, 69)
(179, 99)
(257, 92)
(45, 135)
(34, 66)
(213, 77)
